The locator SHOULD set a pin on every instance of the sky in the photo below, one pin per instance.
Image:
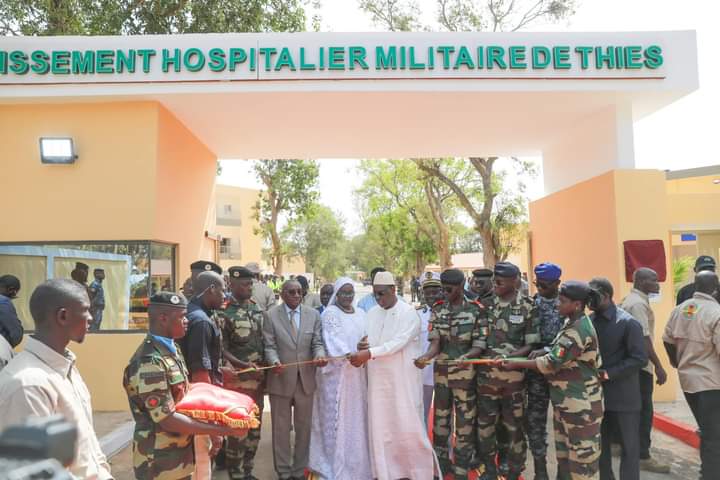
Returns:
(682, 135)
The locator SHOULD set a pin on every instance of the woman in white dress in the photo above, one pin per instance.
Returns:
(339, 447)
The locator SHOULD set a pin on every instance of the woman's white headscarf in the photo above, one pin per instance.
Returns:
(339, 283)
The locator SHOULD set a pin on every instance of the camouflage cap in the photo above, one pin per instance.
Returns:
(240, 272)
(169, 299)
(206, 266)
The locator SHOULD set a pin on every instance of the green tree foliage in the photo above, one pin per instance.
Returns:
(401, 185)
(400, 234)
(682, 267)
(132, 17)
(468, 15)
(291, 193)
(318, 237)
(498, 214)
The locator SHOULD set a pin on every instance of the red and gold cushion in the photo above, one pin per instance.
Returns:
(215, 404)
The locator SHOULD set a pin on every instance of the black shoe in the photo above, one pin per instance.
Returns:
(541, 469)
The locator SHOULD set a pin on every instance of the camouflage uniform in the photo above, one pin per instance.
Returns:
(538, 391)
(454, 383)
(571, 368)
(155, 379)
(502, 392)
(242, 337)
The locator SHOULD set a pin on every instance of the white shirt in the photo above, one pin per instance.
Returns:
(40, 382)
(427, 373)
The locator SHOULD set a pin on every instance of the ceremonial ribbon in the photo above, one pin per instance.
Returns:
(294, 364)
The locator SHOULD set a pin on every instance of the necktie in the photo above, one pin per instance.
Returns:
(295, 318)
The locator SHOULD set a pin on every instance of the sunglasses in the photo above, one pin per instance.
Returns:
(345, 294)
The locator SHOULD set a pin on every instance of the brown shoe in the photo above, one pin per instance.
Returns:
(653, 465)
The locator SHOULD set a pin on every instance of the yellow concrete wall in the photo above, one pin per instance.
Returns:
(185, 182)
(694, 185)
(103, 196)
(141, 175)
(582, 228)
(101, 360)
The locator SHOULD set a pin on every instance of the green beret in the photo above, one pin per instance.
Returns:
(452, 276)
(240, 272)
(506, 270)
(205, 266)
(482, 273)
(169, 299)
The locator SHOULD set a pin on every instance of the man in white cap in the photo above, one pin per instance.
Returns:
(262, 295)
(399, 444)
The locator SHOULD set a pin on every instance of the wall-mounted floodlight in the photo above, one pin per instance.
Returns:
(57, 150)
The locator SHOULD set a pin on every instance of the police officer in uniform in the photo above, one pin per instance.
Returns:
(196, 268)
(97, 299)
(155, 380)
(452, 325)
(242, 323)
(547, 281)
(512, 331)
(572, 368)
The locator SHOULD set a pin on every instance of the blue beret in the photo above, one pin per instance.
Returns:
(506, 270)
(548, 271)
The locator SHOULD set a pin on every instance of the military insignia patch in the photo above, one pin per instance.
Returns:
(174, 299)
(559, 351)
(690, 310)
(236, 274)
(208, 267)
(152, 401)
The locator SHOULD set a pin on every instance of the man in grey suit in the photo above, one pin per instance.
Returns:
(292, 333)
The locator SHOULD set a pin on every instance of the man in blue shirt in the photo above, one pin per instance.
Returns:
(202, 349)
(622, 348)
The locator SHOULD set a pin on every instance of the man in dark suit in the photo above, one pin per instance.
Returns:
(292, 333)
(623, 353)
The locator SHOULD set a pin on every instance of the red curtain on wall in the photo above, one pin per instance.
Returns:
(644, 253)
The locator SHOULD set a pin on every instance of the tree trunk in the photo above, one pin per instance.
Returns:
(489, 257)
(443, 238)
(276, 256)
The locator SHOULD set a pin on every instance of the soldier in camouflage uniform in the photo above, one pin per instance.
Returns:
(452, 325)
(242, 323)
(572, 368)
(155, 380)
(547, 281)
(512, 331)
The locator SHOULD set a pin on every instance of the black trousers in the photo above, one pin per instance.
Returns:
(706, 409)
(626, 425)
(647, 384)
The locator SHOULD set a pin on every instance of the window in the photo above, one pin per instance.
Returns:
(134, 270)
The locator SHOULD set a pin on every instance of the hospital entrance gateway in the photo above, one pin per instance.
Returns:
(149, 115)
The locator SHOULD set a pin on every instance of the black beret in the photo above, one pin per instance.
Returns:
(482, 273)
(575, 290)
(99, 270)
(506, 270)
(206, 266)
(169, 299)
(240, 272)
(452, 276)
(302, 281)
(82, 266)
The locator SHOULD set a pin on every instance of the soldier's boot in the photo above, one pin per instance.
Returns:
(541, 469)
